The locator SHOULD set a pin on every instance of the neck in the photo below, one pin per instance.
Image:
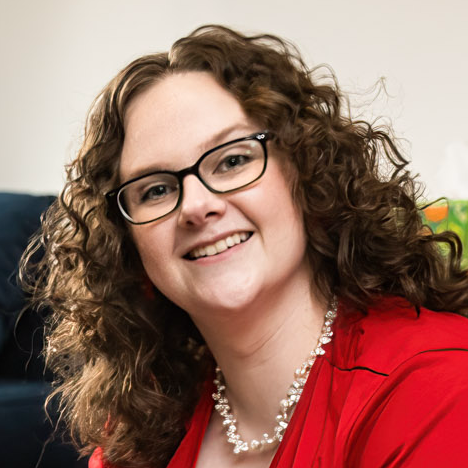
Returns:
(258, 349)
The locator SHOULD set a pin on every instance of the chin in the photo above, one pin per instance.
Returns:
(228, 302)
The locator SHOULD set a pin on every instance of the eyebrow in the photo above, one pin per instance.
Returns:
(216, 140)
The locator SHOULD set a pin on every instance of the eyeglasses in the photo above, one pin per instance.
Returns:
(225, 168)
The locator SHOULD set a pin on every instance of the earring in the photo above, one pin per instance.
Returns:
(148, 289)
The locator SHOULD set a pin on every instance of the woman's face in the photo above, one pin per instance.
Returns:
(168, 127)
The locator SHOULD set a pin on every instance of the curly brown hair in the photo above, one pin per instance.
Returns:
(130, 364)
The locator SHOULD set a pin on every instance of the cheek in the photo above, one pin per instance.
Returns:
(154, 246)
(289, 231)
(279, 200)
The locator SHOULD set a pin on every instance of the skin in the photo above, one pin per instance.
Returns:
(253, 303)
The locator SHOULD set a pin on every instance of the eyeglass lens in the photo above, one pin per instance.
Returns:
(228, 168)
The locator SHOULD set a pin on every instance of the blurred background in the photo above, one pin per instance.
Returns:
(56, 55)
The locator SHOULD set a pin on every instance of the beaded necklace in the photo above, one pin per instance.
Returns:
(287, 405)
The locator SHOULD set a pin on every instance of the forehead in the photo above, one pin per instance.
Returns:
(170, 124)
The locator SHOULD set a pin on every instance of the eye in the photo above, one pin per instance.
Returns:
(157, 193)
(232, 162)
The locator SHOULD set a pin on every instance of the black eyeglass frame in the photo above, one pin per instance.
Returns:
(261, 137)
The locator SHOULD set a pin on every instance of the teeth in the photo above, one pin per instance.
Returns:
(210, 250)
(219, 246)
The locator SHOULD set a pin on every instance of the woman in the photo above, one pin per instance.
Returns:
(225, 211)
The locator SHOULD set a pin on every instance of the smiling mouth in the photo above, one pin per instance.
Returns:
(218, 246)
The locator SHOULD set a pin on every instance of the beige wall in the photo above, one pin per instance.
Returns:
(57, 54)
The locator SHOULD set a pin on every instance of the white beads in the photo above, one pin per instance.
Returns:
(254, 444)
(287, 405)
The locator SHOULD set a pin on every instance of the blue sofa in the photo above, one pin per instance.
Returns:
(26, 435)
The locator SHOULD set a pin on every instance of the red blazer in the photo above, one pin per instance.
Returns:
(391, 391)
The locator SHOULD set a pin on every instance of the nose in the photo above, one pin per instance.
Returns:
(199, 205)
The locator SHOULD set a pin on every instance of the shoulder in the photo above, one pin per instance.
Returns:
(416, 417)
(393, 332)
(97, 461)
(411, 408)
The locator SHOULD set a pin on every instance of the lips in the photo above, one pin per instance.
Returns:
(219, 246)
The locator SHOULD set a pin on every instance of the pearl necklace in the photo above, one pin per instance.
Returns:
(286, 406)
